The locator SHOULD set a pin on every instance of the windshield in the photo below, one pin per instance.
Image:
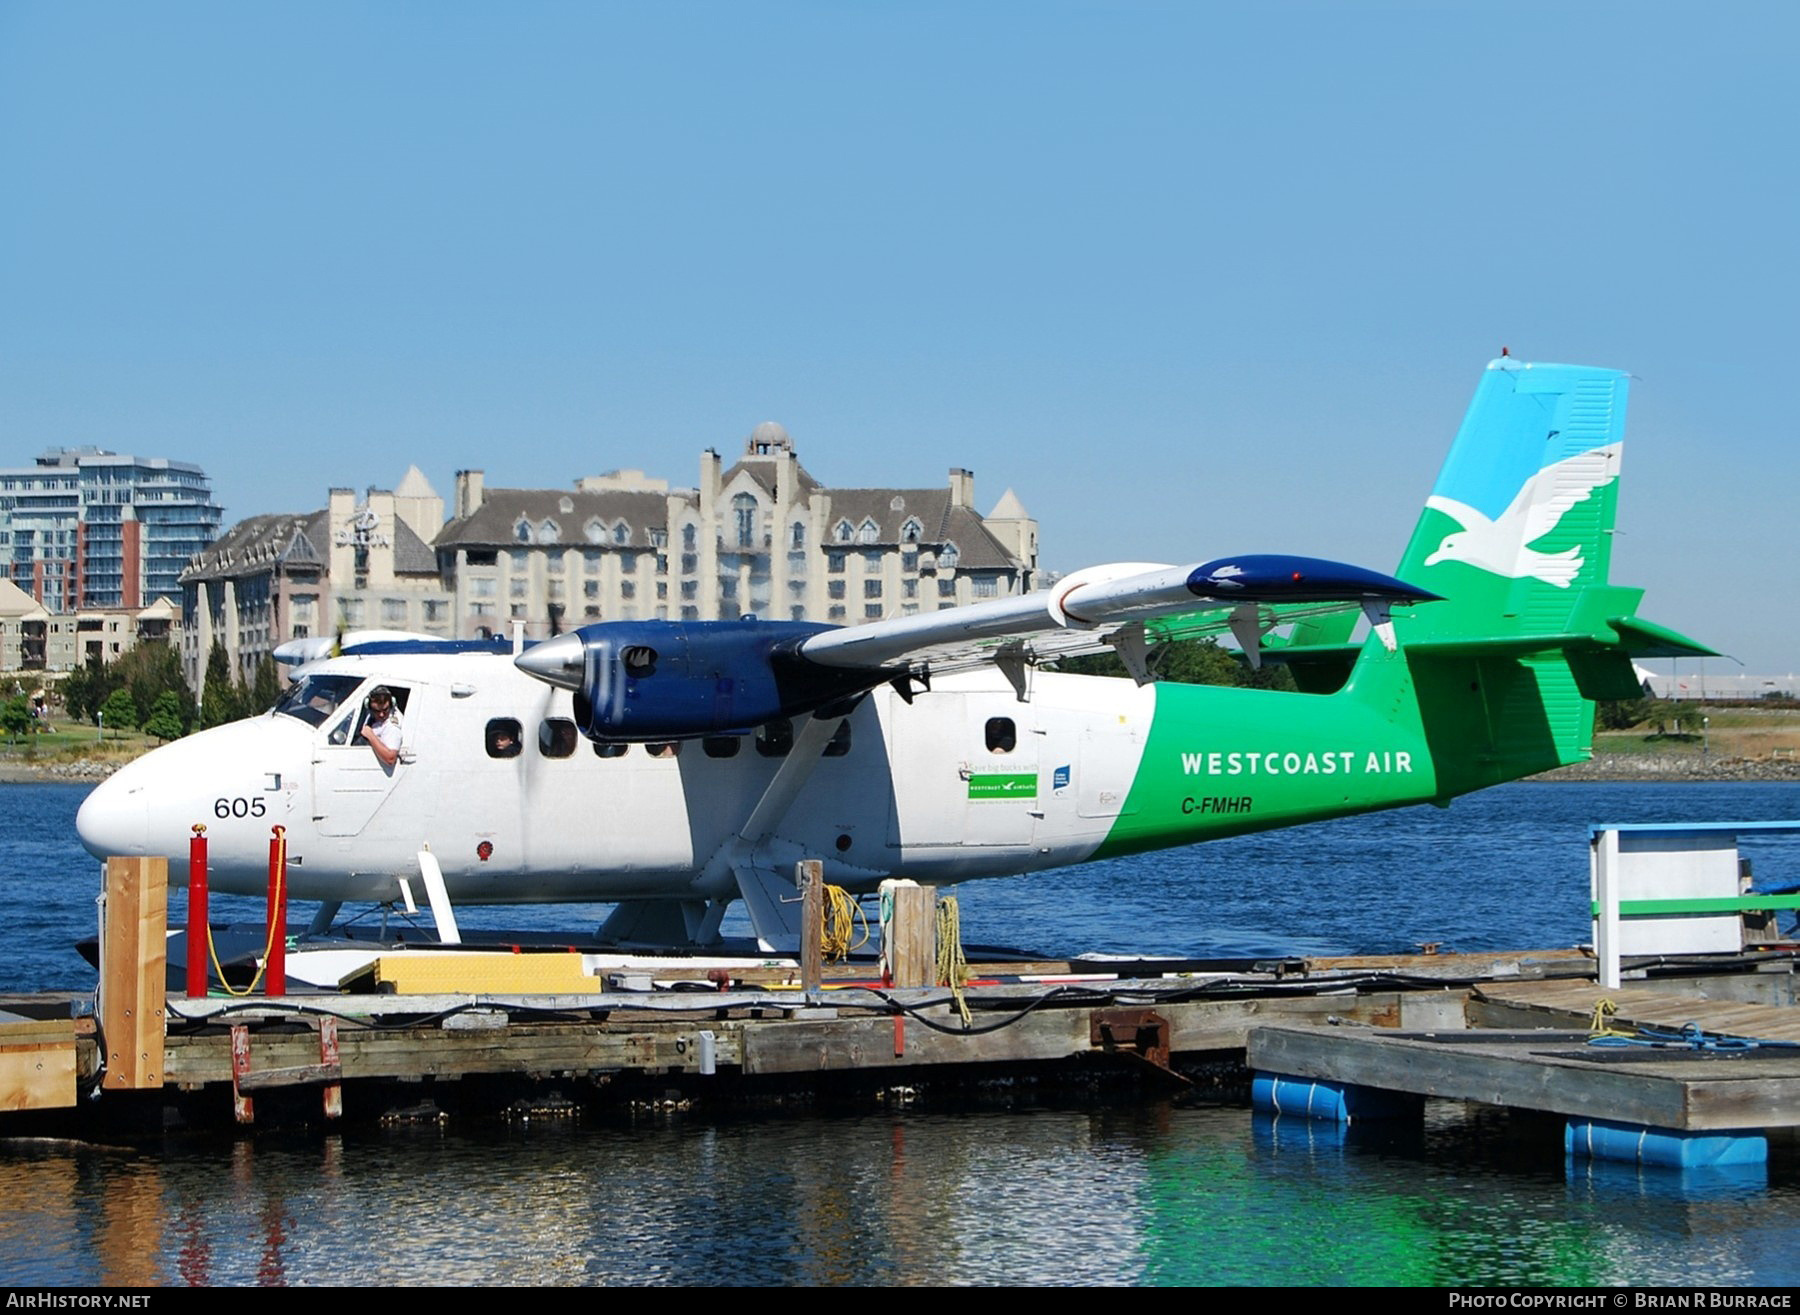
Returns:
(315, 698)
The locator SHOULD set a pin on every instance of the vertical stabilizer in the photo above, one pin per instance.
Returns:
(1519, 524)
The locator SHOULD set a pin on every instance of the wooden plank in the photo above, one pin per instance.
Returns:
(428, 1052)
(867, 1044)
(1694, 1095)
(1226, 1024)
(132, 968)
(301, 1075)
(910, 948)
(809, 875)
(1566, 1001)
(37, 1065)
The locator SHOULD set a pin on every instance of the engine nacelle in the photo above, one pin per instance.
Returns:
(671, 680)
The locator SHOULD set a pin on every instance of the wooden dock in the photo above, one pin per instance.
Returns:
(1506, 1029)
(1684, 1073)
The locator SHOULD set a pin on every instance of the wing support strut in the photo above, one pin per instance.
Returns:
(765, 883)
(1129, 642)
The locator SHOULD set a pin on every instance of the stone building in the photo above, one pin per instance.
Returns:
(33, 638)
(349, 566)
(762, 537)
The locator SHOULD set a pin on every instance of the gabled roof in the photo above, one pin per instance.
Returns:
(287, 539)
(17, 605)
(762, 470)
(256, 542)
(493, 523)
(940, 522)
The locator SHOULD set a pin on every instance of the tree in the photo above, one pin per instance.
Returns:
(15, 716)
(266, 691)
(164, 721)
(1186, 662)
(151, 670)
(86, 689)
(220, 699)
(121, 710)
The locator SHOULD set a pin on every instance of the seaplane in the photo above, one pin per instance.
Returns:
(671, 768)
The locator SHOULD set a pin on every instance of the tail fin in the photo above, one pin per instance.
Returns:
(1517, 538)
(1519, 525)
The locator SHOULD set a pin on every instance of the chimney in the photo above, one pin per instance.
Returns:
(469, 492)
(962, 487)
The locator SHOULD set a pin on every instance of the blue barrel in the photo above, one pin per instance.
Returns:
(1332, 1102)
(1633, 1143)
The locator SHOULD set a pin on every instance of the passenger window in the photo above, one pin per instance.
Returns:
(666, 749)
(840, 740)
(775, 738)
(1002, 736)
(607, 750)
(503, 737)
(556, 737)
(720, 746)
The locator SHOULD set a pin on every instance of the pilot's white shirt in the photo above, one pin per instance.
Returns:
(388, 732)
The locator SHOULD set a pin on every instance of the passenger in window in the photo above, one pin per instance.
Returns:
(503, 738)
(382, 730)
(1002, 736)
(665, 750)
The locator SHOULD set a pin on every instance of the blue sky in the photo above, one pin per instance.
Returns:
(1193, 279)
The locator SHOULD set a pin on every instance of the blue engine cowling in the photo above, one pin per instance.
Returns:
(670, 680)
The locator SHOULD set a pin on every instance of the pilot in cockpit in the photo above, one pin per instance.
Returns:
(382, 730)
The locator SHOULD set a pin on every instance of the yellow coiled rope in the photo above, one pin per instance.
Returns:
(952, 968)
(843, 918)
(1601, 1023)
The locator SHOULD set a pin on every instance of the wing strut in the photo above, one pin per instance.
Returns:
(766, 884)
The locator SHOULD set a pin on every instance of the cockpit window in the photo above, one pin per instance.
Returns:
(315, 698)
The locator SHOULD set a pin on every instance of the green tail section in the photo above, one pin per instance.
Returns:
(1517, 538)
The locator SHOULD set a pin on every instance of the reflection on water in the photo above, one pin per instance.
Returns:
(1159, 1195)
(1147, 1196)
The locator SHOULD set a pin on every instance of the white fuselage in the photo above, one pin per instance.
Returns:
(941, 789)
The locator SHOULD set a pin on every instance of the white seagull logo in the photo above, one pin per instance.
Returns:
(1501, 546)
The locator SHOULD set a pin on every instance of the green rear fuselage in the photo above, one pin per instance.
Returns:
(1222, 761)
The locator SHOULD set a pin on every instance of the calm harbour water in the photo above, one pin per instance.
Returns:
(1153, 1195)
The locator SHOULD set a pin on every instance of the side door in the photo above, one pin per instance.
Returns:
(965, 770)
(350, 784)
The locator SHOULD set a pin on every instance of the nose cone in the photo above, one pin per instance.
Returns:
(115, 818)
(561, 661)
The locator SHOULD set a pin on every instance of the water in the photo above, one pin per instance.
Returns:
(1149, 1195)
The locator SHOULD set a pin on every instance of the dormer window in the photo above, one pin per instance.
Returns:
(869, 533)
(948, 557)
(594, 531)
(912, 531)
(549, 531)
(844, 532)
(621, 533)
(522, 530)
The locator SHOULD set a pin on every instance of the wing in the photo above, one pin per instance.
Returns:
(664, 680)
(1087, 611)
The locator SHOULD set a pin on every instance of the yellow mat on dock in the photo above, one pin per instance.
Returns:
(478, 972)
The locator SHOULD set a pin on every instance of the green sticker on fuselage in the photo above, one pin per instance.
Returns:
(1003, 785)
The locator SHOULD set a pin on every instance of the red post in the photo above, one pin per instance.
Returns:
(275, 971)
(199, 939)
